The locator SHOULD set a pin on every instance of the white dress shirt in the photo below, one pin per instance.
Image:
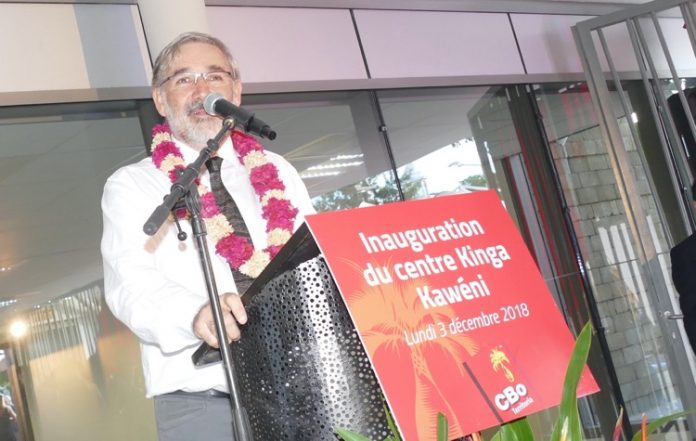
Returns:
(155, 284)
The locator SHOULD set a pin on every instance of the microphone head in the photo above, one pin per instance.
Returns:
(209, 103)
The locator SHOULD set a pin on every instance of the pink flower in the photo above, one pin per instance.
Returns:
(243, 144)
(279, 214)
(209, 206)
(163, 149)
(235, 250)
(181, 213)
(264, 178)
(160, 128)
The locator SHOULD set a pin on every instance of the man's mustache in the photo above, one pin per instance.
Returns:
(193, 107)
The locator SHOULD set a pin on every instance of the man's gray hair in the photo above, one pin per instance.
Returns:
(164, 59)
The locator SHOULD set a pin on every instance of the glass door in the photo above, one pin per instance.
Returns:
(640, 133)
(625, 214)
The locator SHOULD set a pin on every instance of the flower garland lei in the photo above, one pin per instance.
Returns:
(276, 208)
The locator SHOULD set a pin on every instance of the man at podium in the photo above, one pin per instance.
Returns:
(251, 201)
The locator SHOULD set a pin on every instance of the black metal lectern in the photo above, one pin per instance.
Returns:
(301, 367)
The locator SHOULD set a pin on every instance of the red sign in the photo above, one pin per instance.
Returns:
(451, 309)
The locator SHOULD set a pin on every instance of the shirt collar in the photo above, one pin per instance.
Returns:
(226, 151)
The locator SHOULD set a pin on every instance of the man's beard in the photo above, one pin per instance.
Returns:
(195, 133)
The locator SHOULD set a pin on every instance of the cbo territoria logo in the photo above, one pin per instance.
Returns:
(514, 397)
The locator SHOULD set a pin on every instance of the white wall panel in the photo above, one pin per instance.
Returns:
(112, 46)
(404, 44)
(164, 20)
(282, 44)
(69, 49)
(548, 47)
(40, 48)
(142, 43)
(675, 36)
(546, 42)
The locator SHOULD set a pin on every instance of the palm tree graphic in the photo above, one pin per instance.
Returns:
(390, 311)
(500, 361)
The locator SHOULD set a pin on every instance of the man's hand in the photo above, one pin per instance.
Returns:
(233, 313)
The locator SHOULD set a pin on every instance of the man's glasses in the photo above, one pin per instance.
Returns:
(185, 80)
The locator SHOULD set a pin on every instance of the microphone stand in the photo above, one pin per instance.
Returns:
(185, 187)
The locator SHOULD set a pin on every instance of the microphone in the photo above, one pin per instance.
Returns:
(216, 105)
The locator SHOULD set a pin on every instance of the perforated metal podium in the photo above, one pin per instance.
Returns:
(301, 367)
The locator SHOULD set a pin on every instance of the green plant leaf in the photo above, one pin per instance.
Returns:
(442, 427)
(396, 436)
(521, 429)
(518, 430)
(568, 427)
(347, 435)
(662, 421)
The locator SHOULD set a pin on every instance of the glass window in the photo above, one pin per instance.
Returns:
(53, 165)
(334, 141)
(432, 140)
(78, 368)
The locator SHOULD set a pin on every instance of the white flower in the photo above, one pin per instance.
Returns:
(218, 227)
(160, 138)
(278, 236)
(278, 194)
(254, 159)
(258, 261)
(170, 162)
